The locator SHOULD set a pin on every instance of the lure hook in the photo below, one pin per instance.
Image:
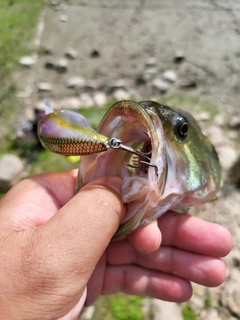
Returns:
(115, 143)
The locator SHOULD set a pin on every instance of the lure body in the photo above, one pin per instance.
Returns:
(69, 133)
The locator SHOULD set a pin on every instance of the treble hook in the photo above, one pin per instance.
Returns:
(117, 144)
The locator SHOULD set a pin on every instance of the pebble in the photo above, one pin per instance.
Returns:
(47, 49)
(88, 313)
(170, 75)
(159, 86)
(27, 61)
(45, 86)
(62, 65)
(86, 100)
(95, 53)
(11, 168)
(231, 296)
(63, 17)
(71, 53)
(201, 116)
(50, 64)
(188, 84)
(72, 103)
(149, 73)
(150, 62)
(234, 123)
(90, 85)
(117, 84)
(166, 310)
(99, 98)
(120, 94)
(215, 135)
(227, 156)
(76, 82)
(212, 314)
(220, 120)
(179, 56)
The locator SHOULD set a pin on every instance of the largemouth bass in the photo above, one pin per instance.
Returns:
(160, 152)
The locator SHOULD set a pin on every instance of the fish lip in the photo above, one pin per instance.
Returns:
(119, 114)
(141, 191)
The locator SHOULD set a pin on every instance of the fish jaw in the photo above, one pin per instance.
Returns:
(142, 187)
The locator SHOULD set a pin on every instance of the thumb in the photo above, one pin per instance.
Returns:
(78, 234)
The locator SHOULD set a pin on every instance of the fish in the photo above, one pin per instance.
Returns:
(160, 152)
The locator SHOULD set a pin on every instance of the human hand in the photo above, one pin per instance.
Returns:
(53, 246)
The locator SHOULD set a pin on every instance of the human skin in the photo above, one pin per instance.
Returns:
(57, 256)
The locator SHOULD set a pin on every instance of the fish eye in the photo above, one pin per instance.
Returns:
(183, 130)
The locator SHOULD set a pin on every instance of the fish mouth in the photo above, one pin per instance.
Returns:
(143, 172)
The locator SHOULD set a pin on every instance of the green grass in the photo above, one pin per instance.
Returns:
(124, 307)
(188, 313)
(18, 21)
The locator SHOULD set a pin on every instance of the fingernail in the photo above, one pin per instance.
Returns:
(115, 183)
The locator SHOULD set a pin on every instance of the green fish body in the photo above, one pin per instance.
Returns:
(183, 171)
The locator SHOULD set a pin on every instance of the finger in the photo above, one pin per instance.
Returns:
(140, 281)
(205, 270)
(37, 199)
(193, 234)
(147, 239)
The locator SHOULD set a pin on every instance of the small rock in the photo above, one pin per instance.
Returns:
(62, 65)
(100, 98)
(196, 302)
(149, 73)
(140, 80)
(159, 85)
(212, 314)
(120, 94)
(47, 50)
(220, 120)
(45, 86)
(63, 17)
(50, 64)
(95, 53)
(170, 75)
(235, 256)
(26, 137)
(166, 310)
(27, 61)
(151, 62)
(231, 295)
(11, 168)
(72, 103)
(71, 53)
(118, 84)
(179, 56)
(188, 84)
(234, 123)
(201, 116)
(90, 85)
(86, 100)
(215, 135)
(227, 156)
(76, 82)
(88, 313)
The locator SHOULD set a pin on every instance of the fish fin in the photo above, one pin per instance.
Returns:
(48, 106)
